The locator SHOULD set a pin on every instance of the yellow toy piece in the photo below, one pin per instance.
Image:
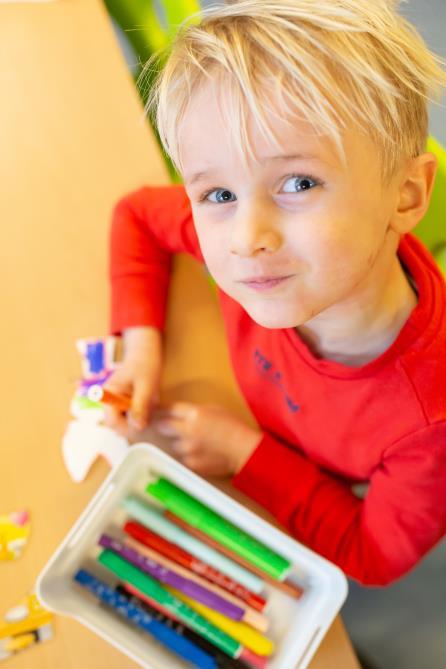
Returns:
(23, 626)
(14, 533)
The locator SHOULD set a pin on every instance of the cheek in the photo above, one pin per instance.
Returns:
(342, 246)
(217, 267)
(341, 264)
(215, 250)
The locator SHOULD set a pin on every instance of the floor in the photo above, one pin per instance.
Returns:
(402, 626)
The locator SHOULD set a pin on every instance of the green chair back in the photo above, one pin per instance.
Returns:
(149, 31)
(432, 229)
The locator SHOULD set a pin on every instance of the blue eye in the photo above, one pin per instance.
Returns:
(299, 184)
(293, 184)
(222, 195)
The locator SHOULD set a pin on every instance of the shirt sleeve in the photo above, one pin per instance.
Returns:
(148, 226)
(375, 540)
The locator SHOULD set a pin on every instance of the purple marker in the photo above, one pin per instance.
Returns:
(164, 575)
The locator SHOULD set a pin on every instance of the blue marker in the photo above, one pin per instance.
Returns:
(165, 635)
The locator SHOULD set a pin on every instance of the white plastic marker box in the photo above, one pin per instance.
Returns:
(297, 625)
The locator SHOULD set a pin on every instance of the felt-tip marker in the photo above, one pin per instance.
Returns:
(135, 614)
(245, 634)
(223, 661)
(250, 616)
(254, 660)
(169, 577)
(287, 585)
(98, 393)
(188, 561)
(153, 518)
(198, 515)
(150, 587)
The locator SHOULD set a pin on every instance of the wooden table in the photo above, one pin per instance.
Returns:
(72, 141)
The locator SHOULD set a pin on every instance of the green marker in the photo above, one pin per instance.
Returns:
(154, 519)
(200, 516)
(150, 587)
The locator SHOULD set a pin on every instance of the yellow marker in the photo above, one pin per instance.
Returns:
(242, 632)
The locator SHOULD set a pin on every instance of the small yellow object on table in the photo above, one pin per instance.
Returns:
(14, 534)
(24, 625)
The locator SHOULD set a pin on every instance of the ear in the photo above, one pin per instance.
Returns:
(415, 191)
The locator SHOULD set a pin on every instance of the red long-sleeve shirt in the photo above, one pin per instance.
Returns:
(325, 425)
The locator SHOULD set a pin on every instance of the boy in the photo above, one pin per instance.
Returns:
(299, 129)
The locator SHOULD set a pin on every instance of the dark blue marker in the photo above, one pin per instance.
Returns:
(223, 661)
(135, 614)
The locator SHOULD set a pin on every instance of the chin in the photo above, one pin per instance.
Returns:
(275, 319)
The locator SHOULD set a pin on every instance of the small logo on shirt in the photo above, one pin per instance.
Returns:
(274, 376)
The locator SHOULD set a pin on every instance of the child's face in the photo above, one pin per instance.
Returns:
(287, 238)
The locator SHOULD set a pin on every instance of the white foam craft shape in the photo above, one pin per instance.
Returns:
(84, 441)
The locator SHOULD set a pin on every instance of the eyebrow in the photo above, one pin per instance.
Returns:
(200, 176)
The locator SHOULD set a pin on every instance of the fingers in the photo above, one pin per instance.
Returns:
(192, 454)
(143, 401)
(179, 410)
(171, 427)
(142, 390)
(183, 447)
(187, 451)
(179, 420)
(117, 384)
(182, 421)
(206, 438)
(115, 420)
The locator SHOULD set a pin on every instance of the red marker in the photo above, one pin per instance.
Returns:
(182, 557)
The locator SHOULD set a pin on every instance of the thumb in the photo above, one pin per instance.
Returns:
(142, 401)
(118, 383)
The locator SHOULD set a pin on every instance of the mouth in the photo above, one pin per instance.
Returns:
(265, 282)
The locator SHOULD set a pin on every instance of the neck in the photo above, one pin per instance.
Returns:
(363, 325)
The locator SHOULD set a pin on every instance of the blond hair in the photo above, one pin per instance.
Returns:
(332, 63)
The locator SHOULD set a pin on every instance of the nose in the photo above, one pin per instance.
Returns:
(255, 231)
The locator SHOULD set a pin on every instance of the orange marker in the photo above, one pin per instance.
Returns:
(98, 393)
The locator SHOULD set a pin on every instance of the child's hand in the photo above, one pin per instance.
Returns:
(138, 377)
(207, 438)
